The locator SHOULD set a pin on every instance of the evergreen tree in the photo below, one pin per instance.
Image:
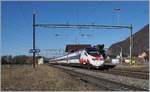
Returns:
(101, 50)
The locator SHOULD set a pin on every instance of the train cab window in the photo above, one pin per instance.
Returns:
(85, 54)
(92, 51)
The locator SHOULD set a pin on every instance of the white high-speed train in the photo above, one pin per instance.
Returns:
(88, 56)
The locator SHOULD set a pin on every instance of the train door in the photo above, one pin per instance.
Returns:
(83, 58)
(67, 59)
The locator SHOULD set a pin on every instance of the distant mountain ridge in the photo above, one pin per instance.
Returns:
(140, 43)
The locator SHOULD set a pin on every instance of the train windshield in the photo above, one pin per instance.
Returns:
(92, 51)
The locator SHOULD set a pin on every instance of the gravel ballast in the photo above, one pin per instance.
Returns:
(140, 83)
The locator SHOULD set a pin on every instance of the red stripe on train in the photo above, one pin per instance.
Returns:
(84, 61)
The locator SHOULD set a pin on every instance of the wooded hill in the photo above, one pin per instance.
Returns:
(140, 43)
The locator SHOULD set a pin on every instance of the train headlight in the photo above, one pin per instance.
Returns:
(93, 59)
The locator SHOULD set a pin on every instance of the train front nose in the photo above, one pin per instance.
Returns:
(96, 60)
(97, 63)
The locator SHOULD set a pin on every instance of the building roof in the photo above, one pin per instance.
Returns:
(75, 47)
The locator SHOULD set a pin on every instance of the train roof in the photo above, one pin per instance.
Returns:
(91, 49)
(76, 47)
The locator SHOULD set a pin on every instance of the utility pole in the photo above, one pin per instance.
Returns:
(118, 16)
(131, 40)
(33, 25)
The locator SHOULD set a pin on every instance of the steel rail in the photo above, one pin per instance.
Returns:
(134, 71)
(139, 75)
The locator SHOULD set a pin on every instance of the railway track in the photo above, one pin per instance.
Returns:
(122, 72)
(100, 81)
(128, 73)
(132, 70)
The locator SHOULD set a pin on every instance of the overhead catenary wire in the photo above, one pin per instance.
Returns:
(83, 26)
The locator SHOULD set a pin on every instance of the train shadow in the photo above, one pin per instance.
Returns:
(106, 67)
(89, 67)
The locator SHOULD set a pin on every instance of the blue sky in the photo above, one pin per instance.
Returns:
(17, 23)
